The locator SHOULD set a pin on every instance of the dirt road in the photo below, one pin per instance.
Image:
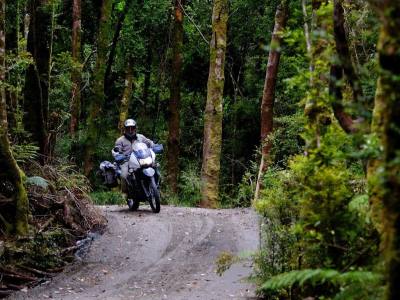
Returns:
(170, 255)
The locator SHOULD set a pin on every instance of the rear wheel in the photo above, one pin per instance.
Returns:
(154, 196)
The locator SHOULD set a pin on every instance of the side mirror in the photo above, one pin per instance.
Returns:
(158, 148)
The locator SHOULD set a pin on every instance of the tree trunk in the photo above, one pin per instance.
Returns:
(344, 64)
(213, 111)
(175, 99)
(268, 99)
(9, 169)
(345, 121)
(111, 56)
(97, 99)
(76, 68)
(147, 78)
(383, 172)
(343, 51)
(12, 37)
(37, 75)
(124, 108)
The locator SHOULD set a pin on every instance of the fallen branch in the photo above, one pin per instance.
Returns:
(5, 293)
(23, 277)
(47, 223)
(69, 249)
(35, 271)
(16, 287)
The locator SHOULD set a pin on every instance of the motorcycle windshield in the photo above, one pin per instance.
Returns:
(141, 151)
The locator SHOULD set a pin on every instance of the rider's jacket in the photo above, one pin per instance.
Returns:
(124, 145)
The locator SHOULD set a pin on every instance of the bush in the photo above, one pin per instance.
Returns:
(315, 216)
(108, 198)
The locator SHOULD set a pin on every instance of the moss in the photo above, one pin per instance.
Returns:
(213, 111)
(384, 170)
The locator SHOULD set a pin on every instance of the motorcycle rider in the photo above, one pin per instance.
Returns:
(124, 145)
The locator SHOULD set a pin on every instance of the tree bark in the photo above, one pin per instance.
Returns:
(111, 56)
(383, 172)
(9, 169)
(76, 69)
(213, 111)
(343, 51)
(97, 99)
(344, 119)
(345, 64)
(124, 107)
(12, 37)
(37, 75)
(147, 78)
(268, 99)
(175, 99)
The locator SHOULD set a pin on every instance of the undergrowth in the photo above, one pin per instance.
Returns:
(61, 213)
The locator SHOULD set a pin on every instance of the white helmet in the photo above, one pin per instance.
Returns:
(130, 123)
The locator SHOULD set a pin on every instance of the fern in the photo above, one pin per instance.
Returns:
(38, 181)
(24, 153)
(358, 291)
(320, 276)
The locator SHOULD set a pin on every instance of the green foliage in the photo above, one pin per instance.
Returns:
(280, 212)
(24, 152)
(286, 139)
(108, 198)
(315, 212)
(41, 251)
(224, 261)
(61, 84)
(189, 187)
(348, 285)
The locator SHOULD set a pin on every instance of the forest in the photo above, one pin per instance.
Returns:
(291, 107)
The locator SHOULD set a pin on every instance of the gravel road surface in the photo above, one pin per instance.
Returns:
(170, 255)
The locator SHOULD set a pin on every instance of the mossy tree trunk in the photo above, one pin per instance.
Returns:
(126, 97)
(384, 170)
(343, 51)
(213, 112)
(36, 96)
(268, 99)
(9, 169)
(76, 69)
(97, 98)
(175, 99)
(342, 64)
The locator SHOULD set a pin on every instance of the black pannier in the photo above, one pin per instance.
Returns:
(109, 174)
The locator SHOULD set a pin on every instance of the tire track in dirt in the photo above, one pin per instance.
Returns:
(170, 255)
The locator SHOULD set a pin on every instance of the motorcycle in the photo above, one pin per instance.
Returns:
(143, 180)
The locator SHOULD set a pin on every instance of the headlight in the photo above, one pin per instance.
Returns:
(146, 161)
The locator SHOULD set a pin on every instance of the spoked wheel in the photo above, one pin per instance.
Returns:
(154, 196)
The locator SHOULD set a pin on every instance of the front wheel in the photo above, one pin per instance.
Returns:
(154, 196)
(133, 205)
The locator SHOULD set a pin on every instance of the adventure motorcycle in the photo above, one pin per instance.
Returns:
(143, 180)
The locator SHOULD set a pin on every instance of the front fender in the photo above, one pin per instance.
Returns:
(149, 172)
